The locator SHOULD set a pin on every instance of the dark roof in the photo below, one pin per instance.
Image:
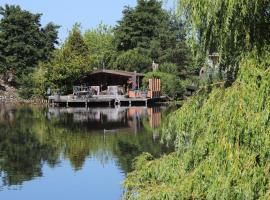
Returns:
(117, 72)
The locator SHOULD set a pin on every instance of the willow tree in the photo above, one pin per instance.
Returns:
(229, 27)
(222, 144)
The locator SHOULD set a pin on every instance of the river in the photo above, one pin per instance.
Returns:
(73, 153)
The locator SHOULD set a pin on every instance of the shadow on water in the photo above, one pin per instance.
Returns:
(31, 137)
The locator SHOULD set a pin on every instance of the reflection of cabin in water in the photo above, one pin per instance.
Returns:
(107, 118)
(111, 87)
(91, 119)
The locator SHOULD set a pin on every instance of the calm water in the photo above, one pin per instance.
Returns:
(73, 153)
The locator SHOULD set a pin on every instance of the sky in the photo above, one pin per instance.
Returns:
(67, 12)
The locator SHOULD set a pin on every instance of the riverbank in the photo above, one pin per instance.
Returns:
(10, 94)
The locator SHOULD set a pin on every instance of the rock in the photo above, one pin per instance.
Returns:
(3, 88)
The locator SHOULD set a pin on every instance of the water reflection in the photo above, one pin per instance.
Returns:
(107, 119)
(32, 139)
(7, 113)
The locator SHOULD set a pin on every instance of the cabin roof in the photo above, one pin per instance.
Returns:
(117, 72)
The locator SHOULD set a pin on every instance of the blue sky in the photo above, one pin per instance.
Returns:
(67, 12)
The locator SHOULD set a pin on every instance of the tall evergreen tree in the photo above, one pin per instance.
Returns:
(139, 25)
(154, 32)
(23, 42)
(171, 45)
(75, 43)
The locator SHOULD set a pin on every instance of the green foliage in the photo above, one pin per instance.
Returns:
(230, 27)
(133, 60)
(171, 45)
(101, 47)
(69, 63)
(159, 34)
(64, 71)
(23, 42)
(139, 25)
(75, 44)
(171, 84)
(169, 68)
(212, 76)
(26, 90)
(222, 143)
(146, 33)
(40, 81)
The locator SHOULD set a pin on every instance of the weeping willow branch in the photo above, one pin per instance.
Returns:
(229, 27)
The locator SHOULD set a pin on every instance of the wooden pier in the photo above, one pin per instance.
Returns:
(101, 100)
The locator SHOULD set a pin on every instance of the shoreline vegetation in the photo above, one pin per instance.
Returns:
(221, 140)
(10, 95)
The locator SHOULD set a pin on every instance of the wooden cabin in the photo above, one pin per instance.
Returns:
(105, 78)
(111, 86)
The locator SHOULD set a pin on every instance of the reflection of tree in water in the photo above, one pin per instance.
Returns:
(21, 154)
(7, 113)
(34, 140)
(128, 150)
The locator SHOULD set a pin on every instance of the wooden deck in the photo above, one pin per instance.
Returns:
(106, 100)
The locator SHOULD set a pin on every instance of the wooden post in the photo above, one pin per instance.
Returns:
(159, 88)
(155, 87)
(153, 82)
(151, 88)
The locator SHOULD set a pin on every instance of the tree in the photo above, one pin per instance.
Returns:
(68, 64)
(101, 47)
(169, 68)
(230, 27)
(75, 43)
(221, 140)
(23, 42)
(157, 33)
(171, 45)
(139, 25)
(133, 60)
(50, 35)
